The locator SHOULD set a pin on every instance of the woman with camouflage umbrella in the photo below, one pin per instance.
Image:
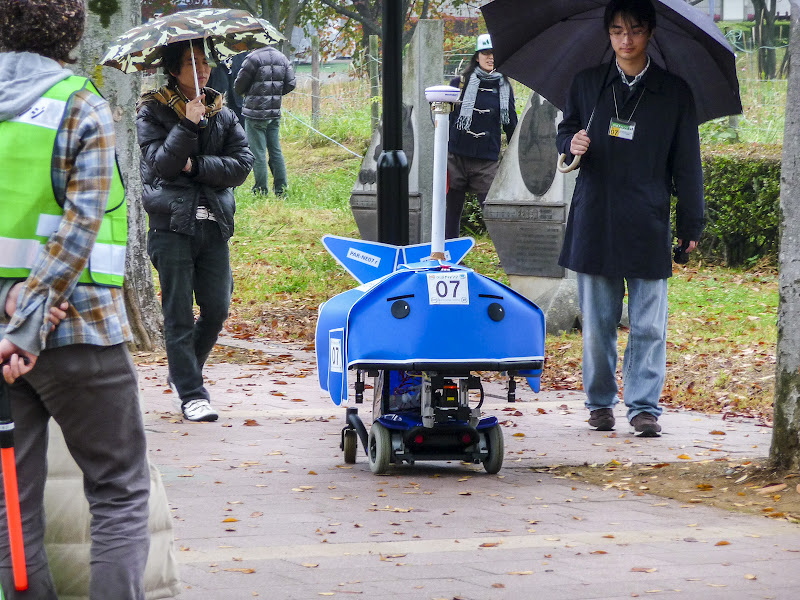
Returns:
(194, 152)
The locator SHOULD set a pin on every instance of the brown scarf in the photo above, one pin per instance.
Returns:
(176, 100)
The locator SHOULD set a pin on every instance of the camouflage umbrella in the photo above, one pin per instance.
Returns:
(226, 32)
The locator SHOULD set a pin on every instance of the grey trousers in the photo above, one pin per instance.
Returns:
(92, 393)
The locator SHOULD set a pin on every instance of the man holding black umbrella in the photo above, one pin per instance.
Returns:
(634, 125)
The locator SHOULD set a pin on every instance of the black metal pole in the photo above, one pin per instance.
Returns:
(392, 162)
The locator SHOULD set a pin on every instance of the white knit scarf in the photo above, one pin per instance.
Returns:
(464, 120)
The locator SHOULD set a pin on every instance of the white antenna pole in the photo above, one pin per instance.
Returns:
(441, 99)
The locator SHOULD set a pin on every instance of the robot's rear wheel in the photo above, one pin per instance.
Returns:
(494, 441)
(380, 448)
(350, 444)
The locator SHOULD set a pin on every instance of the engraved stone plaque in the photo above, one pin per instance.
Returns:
(529, 248)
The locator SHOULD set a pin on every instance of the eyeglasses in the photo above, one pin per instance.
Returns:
(619, 34)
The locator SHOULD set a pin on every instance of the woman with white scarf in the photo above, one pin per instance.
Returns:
(486, 110)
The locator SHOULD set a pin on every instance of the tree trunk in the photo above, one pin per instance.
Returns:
(785, 450)
(122, 91)
(765, 32)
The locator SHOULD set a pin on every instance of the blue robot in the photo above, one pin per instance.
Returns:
(422, 331)
(421, 325)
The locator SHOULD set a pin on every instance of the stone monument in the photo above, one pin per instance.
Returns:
(526, 212)
(423, 66)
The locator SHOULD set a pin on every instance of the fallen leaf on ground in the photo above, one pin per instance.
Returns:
(771, 489)
(240, 570)
(644, 569)
(722, 543)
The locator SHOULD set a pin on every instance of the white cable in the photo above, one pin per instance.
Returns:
(320, 133)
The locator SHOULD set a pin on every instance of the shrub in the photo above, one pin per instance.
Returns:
(742, 190)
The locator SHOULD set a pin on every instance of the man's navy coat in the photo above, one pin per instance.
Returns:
(619, 220)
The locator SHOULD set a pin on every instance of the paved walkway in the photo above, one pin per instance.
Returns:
(265, 506)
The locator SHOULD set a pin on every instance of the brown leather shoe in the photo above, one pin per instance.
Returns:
(602, 419)
(646, 425)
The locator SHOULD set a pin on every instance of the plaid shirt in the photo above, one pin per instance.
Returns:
(83, 163)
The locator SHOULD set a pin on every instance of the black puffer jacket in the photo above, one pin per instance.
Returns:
(221, 160)
(266, 75)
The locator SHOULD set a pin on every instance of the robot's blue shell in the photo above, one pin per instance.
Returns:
(424, 317)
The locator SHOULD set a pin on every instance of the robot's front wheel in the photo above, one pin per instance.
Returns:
(494, 441)
(380, 448)
(350, 445)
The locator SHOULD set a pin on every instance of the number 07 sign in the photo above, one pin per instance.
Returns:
(448, 288)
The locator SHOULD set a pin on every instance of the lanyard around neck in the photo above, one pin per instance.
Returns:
(616, 109)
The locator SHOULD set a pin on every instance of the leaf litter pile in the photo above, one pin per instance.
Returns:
(741, 486)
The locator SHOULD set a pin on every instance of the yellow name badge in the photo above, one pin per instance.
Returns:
(621, 129)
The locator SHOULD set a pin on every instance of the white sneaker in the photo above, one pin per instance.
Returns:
(199, 409)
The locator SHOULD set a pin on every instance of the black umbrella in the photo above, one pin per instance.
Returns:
(545, 43)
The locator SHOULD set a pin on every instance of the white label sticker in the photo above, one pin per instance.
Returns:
(448, 288)
(364, 257)
(336, 355)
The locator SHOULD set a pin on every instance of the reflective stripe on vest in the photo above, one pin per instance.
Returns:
(31, 212)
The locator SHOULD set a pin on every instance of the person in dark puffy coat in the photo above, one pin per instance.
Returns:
(476, 126)
(194, 152)
(265, 77)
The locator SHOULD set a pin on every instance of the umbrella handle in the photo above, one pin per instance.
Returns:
(566, 168)
(13, 516)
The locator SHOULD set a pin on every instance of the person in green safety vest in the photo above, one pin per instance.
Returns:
(62, 238)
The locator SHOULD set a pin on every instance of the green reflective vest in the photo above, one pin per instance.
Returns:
(30, 211)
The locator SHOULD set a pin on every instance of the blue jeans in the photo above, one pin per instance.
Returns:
(264, 138)
(645, 360)
(191, 267)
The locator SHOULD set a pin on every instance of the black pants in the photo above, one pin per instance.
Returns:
(191, 268)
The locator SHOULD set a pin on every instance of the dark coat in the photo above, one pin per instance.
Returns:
(265, 77)
(486, 147)
(619, 220)
(221, 160)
